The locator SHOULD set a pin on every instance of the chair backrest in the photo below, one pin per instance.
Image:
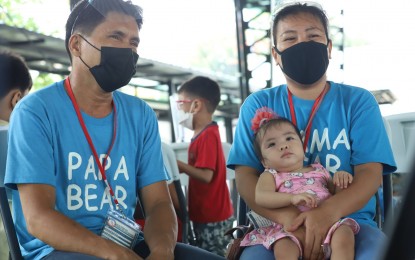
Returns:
(180, 150)
(170, 163)
(14, 248)
(400, 231)
(387, 190)
(401, 133)
(230, 174)
(3, 154)
(402, 137)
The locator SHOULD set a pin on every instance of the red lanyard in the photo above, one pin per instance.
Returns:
(91, 145)
(314, 109)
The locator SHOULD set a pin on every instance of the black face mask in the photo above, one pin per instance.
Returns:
(117, 67)
(305, 62)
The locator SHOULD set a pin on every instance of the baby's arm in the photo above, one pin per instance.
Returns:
(267, 196)
(341, 180)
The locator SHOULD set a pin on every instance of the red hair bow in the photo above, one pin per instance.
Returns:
(262, 116)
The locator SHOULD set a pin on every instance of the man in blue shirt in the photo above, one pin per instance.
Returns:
(79, 148)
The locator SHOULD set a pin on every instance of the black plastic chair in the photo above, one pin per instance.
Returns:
(14, 248)
(170, 163)
(180, 152)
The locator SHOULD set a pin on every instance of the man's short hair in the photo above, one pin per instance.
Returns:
(203, 87)
(14, 73)
(85, 17)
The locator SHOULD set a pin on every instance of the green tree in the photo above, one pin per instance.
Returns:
(45, 79)
(10, 15)
(218, 56)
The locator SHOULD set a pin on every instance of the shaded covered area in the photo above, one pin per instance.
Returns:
(48, 54)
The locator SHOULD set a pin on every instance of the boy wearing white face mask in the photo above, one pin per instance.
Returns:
(210, 207)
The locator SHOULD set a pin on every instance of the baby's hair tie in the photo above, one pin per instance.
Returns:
(262, 116)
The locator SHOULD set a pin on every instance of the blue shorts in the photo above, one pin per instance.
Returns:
(181, 252)
(368, 244)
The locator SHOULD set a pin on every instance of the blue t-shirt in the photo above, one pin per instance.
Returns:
(347, 130)
(47, 146)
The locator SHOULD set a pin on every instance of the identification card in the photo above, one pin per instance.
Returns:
(120, 229)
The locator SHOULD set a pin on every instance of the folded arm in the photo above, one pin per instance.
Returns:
(267, 196)
(246, 180)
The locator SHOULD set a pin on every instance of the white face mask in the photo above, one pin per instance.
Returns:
(186, 118)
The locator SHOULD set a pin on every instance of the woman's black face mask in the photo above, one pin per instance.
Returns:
(305, 62)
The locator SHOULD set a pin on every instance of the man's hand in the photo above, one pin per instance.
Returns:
(119, 252)
(317, 223)
(160, 231)
(156, 255)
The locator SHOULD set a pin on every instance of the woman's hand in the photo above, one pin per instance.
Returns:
(317, 223)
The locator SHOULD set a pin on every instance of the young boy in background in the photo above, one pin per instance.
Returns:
(210, 206)
(15, 82)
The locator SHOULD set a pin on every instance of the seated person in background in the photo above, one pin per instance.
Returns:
(210, 207)
(286, 181)
(342, 129)
(80, 151)
(15, 82)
